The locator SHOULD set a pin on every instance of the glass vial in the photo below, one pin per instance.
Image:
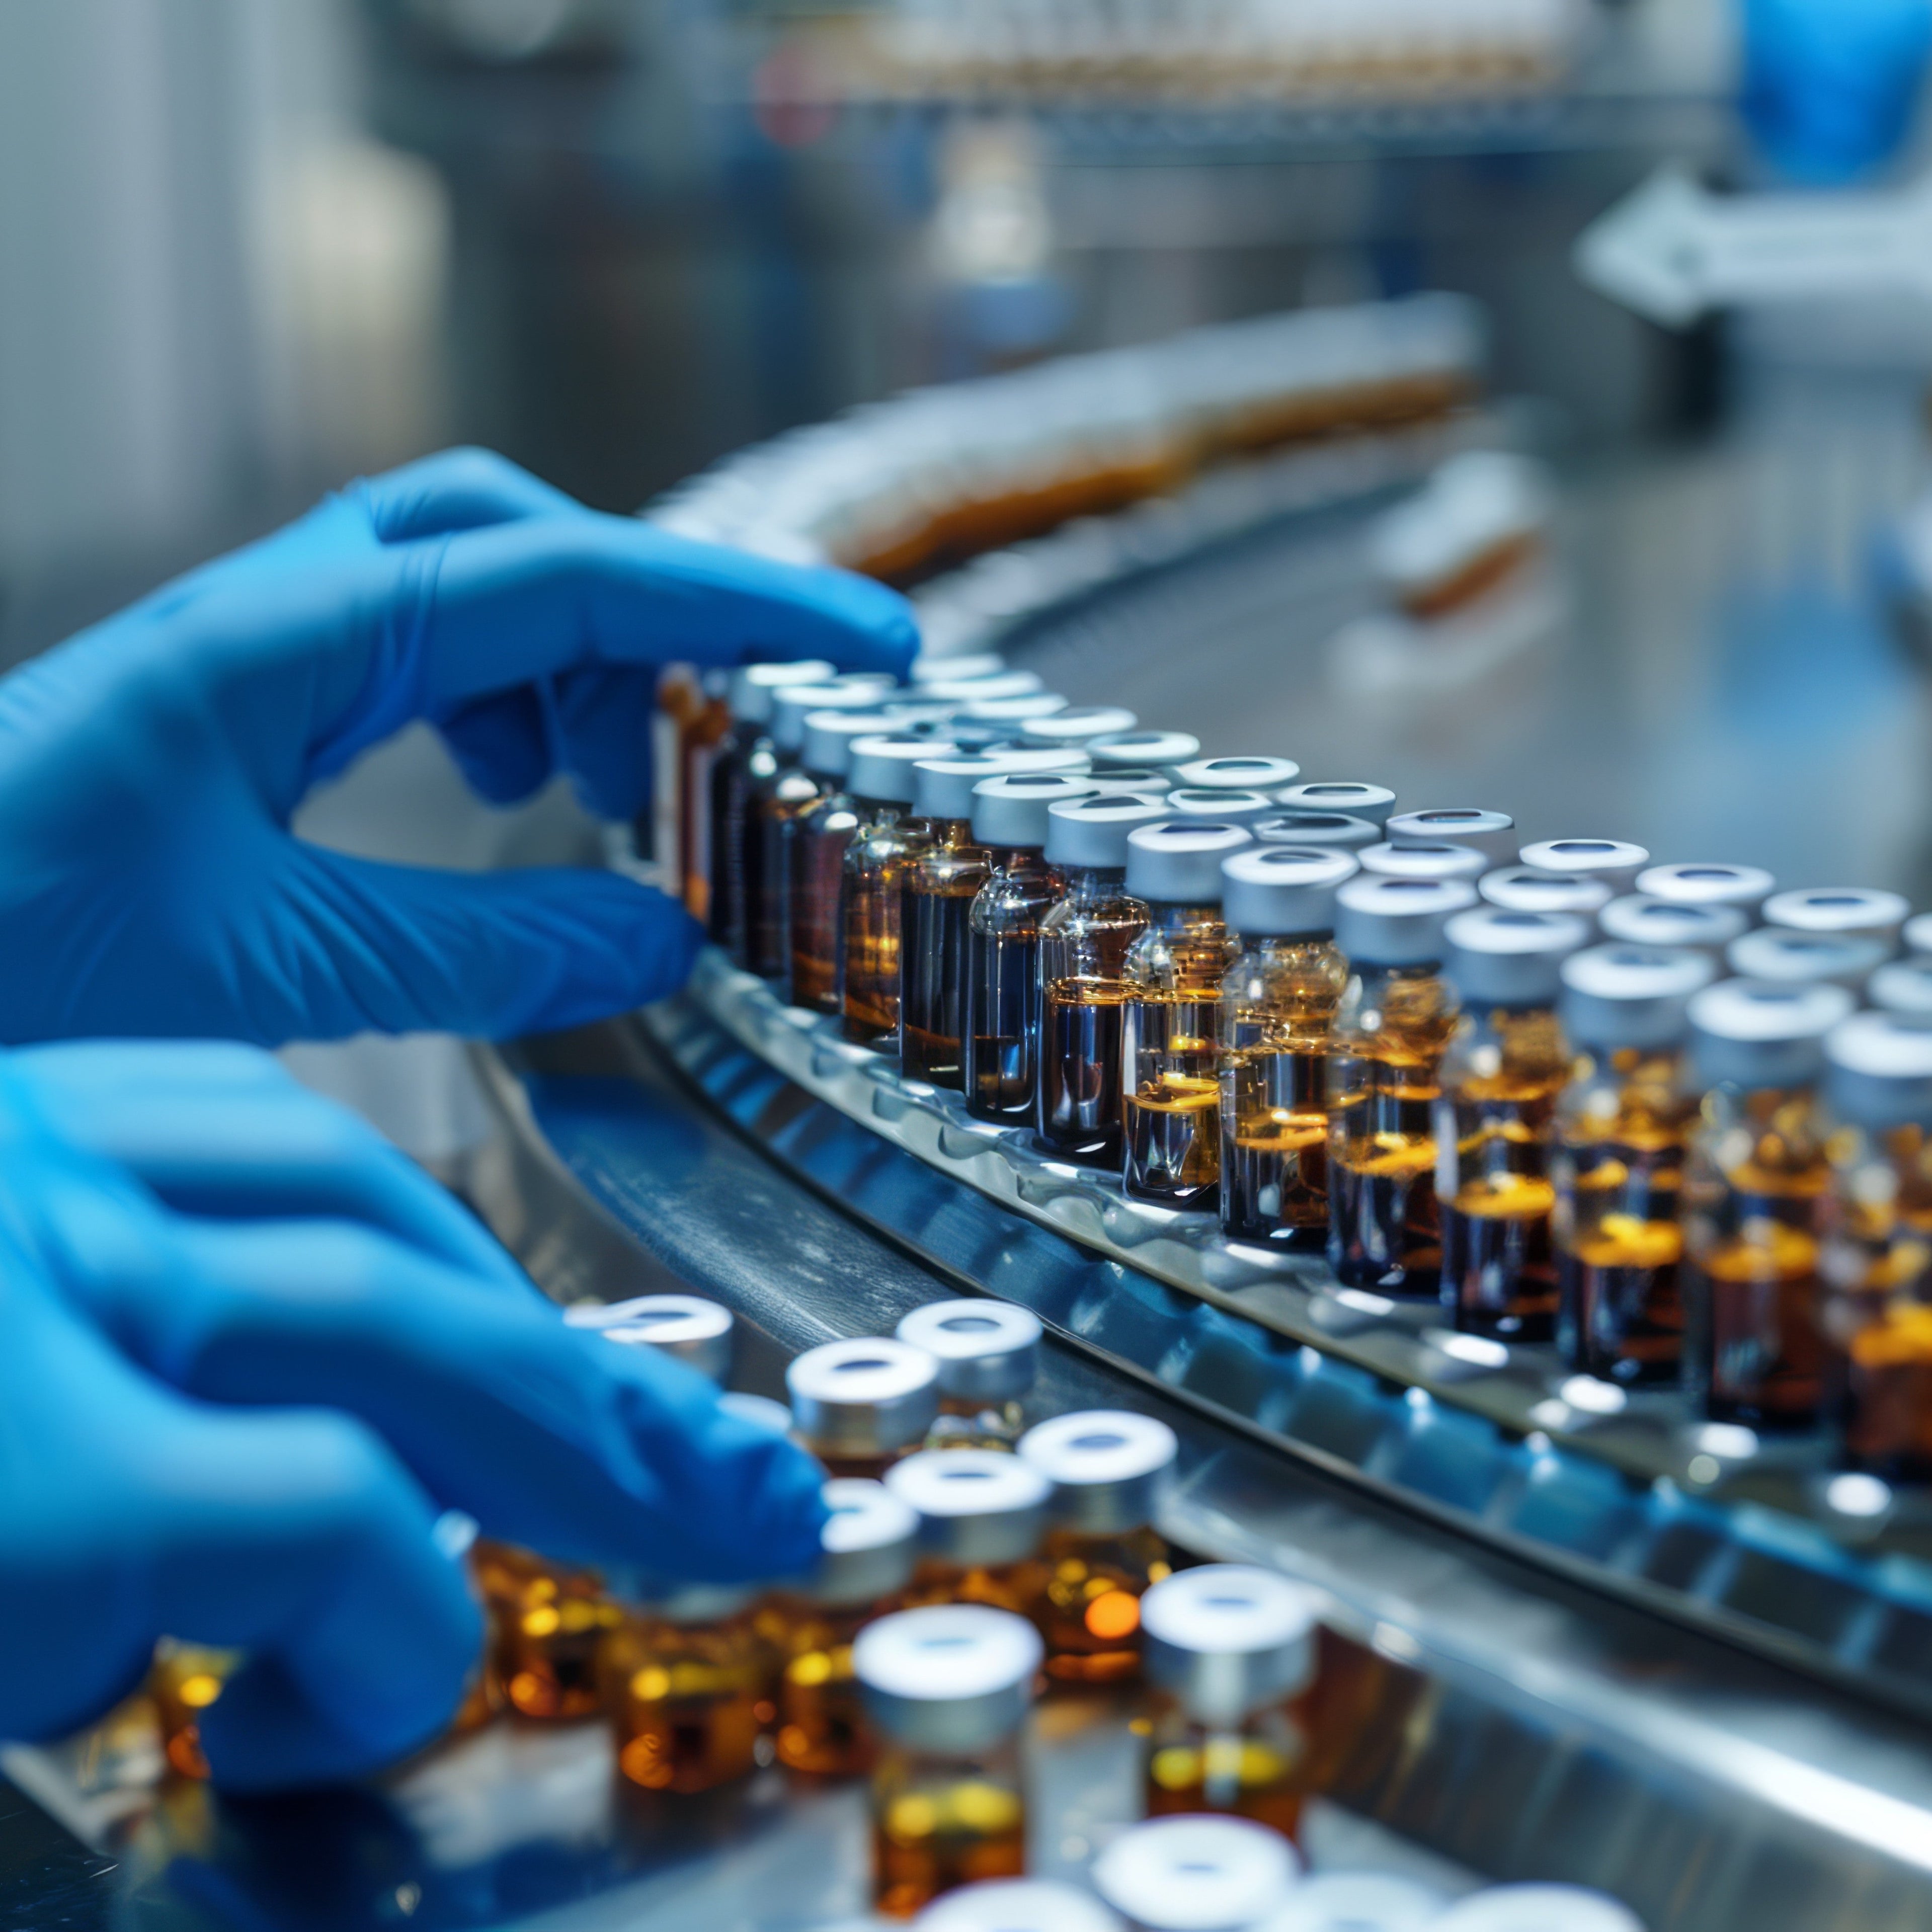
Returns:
(989, 1354)
(1170, 1085)
(982, 1515)
(946, 1689)
(1278, 1005)
(1612, 863)
(1638, 921)
(1331, 831)
(1131, 751)
(1842, 912)
(1076, 727)
(687, 1327)
(1507, 1063)
(1231, 1650)
(860, 1406)
(1437, 862)
(1083, 941)
(869, 1545)
(1019, 1905)
(1622, 1126)
(183, 1681)
(1754, 1191)
(1491, 833)
(884, 847)
(1237, 774)
(1788, 957)
(1744, 888)
(1373, 802)
(698, 716)
(1877, 1259)
(1199, 1874)
(1225, 808)
(1527, 889)
(1390, 1032)
(1110, 1470)
(547, 1625)
(1000, 1021)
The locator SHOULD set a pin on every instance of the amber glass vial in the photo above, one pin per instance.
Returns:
(184, 1680)
(860, 1406)
(1278, 1005)
(546, 1624)
(1622, 1126)
(1755, 1187)
(947, 1688)
(1084, 941)
(982, 1513)
(1231, 1653)
(1391, 1030)
(700, 712)
(1110, 1469)
(1507, 1064)
(989, 1354)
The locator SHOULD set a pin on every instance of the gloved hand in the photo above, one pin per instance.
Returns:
(252, 1354)
(148, 767)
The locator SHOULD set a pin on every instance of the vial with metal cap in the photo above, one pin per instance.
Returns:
(885, 845)
(1229, 808)
(860, 1405)
(1373, 802)
(1387, 861)
(1170, 1086)
(1491, 833)
(982, 690)
(989, 1354)
(1359, 1902)
(1019, 1905)
(999, 1015)
(1904, 987)
(1537, 1908)
(1125, 781)
(1525, 888)
(691, 1330)
(982, 1515)
(1335, 830)
(1754, 1193)
(1844, 912)
(1745, 887)
(1790, 957)
(184, 1681)
(1917, 935)
(1233, 1652)
(1506, 1065)
(955, 667)
(1636, 920)
(1200, 1874)
(1612, 863)
(1131, 750)
(547, 1623)
(1110, 1470)
(1385, 1054)
(1012, 713)
(946, 1689)
(868, 1547)
(1877, 1256)
(1078, 726)
(692, 723)
(1083, 941)
(1278, 1005)
(1622, 1126)
(1238, 774)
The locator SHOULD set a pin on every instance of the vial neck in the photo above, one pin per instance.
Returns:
(1167, 916)
(1088, 884)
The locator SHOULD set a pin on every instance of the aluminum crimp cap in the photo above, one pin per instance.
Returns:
(1122, 779)
(1078, 725)
(1749, 1032)
(1374, 802)
(1504, 958)
(1648, 921)
(988, 1351)
(866, 1396)
(1747, 887)
(1198, 1873)
(963, 668)
(1904, 987)
(1852, 912)
(1092, 831)
(1537, 1908)
(1010, 811)
(1279, 891)
(1918, 935)
(1384, 922)
(1492, 833)
(1018, 1905)
(1337, 829)
(1622, 995)
(869, 1545)
(1231, 807)
(1878, 1071)
(1180, 863)
(1014, 710)
(1525, 888)
(1227, 1639)
(1358, 1902)
(792, 704)
(976, 1506)
(1135, 748)
(1807, 958)
(882, 767)
(1238, 774)
(829, 736)
(942, 787)
(982, 690)
(1614, 861)
(1424, 862)
(1109, 1468)
(956, 1677)
(751, 685)
(696, 1332)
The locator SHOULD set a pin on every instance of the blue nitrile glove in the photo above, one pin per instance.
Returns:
(397, 1365)
(1831, 86)
(148, 767)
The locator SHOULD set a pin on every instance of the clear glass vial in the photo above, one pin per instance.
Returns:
(1434, 861)
(1083, 941)
(1232, 1651)
(1110, 1470)
(1506, 1064)
(1754, 1194)
(1019, 1905)
(1199, 1874)
(989, 1354)
(1373, 802)
(1491, 833)
(885, 845)
(1537, 1908)
(1170, 1085)
(1334, 831)
(1278, 1005)
(1001, 1019)
(1237, 774)
(1637, 920)
(1390, 1031)
(687, 1327)
(1743, 887)
(1612, 863)
(946, 1689)
(1622, 1127)
(860, 1405)
(982, 1513)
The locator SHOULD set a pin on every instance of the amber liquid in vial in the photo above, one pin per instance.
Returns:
(940, 1823)
(771, 830)
(935, 908)
(816, 861)
(547, 1626)
(1001, 1019)
(689, 1702)
(741, 760)
(1016, 1587)
(1088, 1610)
(883, 850)
(1084, 942)
(965, 1424)
(703, 720)
(822, 1731)
(1258, 1769)
(184, 1680)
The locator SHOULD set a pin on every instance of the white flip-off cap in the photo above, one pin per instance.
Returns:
(867, 1546)
(1109, 1467)
(1746, 887)
(1015, 710)
(1010, 811)
(988, 1351)
(1492, 833)
(1197, 1874)
(1233, 807)
(1092, 831)
(1282, 891)
(866, 1396)
(1510, 958)
(829, 736)
(1753, 1033)
(792, 704)
(1018, 1905)
(1807, 958)
(1904, 987)
(695, 1331)
(1227, 1639)
(963, 668)
(1879, 1071)
(976, 1506)
(751, 685)
(1079, 724)
(1424, 862)
(1614, 861)
(1382, 922)
(1851, 912)
(1337, 829)
(1525, 889)
(1620, 995)
(955, 1677)
(982, 690)
(1537, 1908)
(1648, 921)
(1239, 774)
(1358, 1902)
(882, 768)
(1180, 863)
(1143, 748)
(1374, 802)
